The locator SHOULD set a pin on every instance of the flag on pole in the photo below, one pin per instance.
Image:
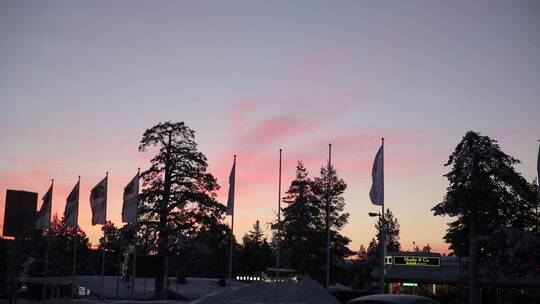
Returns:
(43, 220)
(72, 207)
(376, 194)
(131, 201)
(98, 202)
(230, 200)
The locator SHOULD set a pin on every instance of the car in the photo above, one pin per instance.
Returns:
(392, 299)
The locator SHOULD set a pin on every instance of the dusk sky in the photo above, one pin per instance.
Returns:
(80, 81)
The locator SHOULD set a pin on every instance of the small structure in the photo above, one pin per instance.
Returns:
(430, 274)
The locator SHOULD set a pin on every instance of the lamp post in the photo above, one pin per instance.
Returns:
(382, 244)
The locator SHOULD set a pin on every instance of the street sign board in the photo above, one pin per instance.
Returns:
(417, 261)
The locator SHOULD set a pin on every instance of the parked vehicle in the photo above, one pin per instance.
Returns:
(392, 299)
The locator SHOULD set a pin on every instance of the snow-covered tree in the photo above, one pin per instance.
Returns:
(485, 194)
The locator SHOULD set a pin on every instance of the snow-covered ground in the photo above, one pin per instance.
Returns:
(115, 288)
(304, 291)
(200, 291)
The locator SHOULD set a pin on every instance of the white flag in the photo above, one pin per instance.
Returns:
(230, 200)
(71, 212)
(98, 202)
(131, 201)
(538, 171)
(43, 220)
(376, 194)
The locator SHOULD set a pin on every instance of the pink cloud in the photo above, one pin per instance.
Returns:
(242, 110)
(271, 130)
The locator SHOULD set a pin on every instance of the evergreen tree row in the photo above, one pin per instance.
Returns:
(303, 228)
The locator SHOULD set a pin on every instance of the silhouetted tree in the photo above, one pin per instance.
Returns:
(301, 225)
(255, 253)
(426, 248)
(178, 198)
(392, 237)
(61, 250)
(116, 242)
(338, 218)
(362, 254)
(359, 272)
(204, 253)
(485, 194)
(391, 230)
(373, 251)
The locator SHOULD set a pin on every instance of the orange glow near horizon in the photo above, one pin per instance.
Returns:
(256, 191)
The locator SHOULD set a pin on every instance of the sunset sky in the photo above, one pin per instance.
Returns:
(81, 81)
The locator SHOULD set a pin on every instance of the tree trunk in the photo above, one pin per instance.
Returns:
(163, 229)
(473, 263)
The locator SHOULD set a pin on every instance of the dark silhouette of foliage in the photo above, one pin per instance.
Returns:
(61, 250)
(301, 225)
(255, 253)
(362, 254)
(304, 223)
(116, 242)
(485, 186)
(204, 253)
(485, 195)
(359, 271)
(391, 228)
(178, 199)
(338, 218)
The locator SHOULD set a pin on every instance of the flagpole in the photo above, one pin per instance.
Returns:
(44, 290)
(278, 252)
(135, 237)
(232, 235)
(104, 236)
(538, 192)
(279, 220)
(383, 227)
(328, 217)
(75, 239)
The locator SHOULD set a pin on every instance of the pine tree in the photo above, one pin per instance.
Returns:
(391, 230)
(61, 250)
(485, 194)
(301, 224)
(372, 250)
(362, 254)
(204, 253)
(178, 198)
(330, 186)
(116, 242)
(359, 273)
(255, 254)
